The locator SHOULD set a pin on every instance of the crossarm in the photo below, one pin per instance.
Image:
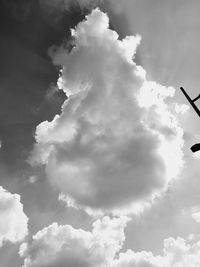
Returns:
(191, 101)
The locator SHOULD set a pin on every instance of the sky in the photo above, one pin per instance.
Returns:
(95, 162)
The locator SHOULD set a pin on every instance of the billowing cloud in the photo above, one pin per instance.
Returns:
(13, 221)
(65, 246)
(116, 143)
(176, 252)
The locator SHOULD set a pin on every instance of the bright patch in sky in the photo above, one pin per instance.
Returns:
(13, 220)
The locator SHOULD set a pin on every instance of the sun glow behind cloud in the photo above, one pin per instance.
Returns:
(119, 149)
(114, 149)
(114, 183)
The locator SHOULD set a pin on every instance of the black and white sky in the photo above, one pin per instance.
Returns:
(95, 162)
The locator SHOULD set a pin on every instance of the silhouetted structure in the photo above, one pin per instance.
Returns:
(195, 147)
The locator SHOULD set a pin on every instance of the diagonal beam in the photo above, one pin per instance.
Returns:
(196, 98)
(191, 101)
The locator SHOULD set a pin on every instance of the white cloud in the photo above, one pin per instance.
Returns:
(13, 221)
(176, 253)
(65, 246)
(138, 259)
(181, 108)
(110, 148)
(196, 216)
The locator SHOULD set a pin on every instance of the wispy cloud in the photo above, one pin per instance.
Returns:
(62, 5)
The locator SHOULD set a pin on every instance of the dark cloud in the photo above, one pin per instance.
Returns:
(27, 72)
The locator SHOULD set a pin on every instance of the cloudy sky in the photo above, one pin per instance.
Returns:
(95, 162)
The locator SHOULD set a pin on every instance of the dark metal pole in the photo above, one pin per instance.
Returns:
(191, 101)
(195, 147)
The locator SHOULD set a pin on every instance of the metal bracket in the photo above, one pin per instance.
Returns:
(195, 147)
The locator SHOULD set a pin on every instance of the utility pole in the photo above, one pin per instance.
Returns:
(195, 147)
(191, 101)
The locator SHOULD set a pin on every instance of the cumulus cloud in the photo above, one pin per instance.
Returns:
(176, 253)
(65, 246)
(13, 221)
(116, 143)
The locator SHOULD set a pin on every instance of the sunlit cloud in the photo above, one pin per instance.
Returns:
(110, 148)
(65, 246)
(176, 252)
(13, 220)
(111, 179)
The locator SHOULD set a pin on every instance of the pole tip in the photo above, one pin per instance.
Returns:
(195, 148)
